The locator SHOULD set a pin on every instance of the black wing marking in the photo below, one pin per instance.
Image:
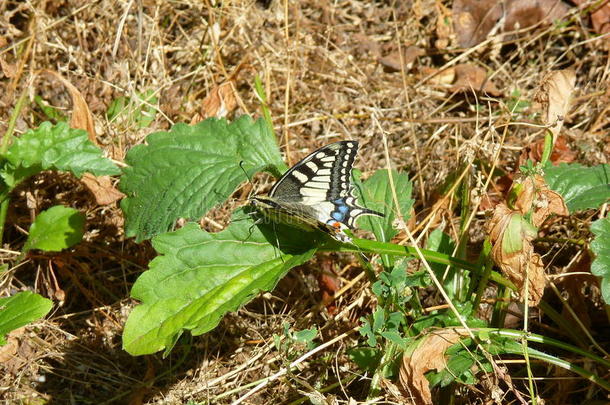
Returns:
(324, 175)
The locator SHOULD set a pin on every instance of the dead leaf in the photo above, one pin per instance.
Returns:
(81, 116)
(554, 95)
(430, 355)
(470, 77)
(9, 69)
(511, 234)
(475, 20)
(526, 13)
(463, 77)
(538, 199)
(444, 78)
(600, 15)
(513, 252)
(391, 62)
(366, 44)
(220, 101)
(102, 189)
(562, 153)
(329, 283)
(9, 350)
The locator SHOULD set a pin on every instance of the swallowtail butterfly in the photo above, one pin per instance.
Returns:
(316, 193)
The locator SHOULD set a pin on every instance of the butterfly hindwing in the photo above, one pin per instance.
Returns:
(316, 192)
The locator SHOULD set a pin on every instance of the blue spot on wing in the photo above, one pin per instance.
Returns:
(339, 216)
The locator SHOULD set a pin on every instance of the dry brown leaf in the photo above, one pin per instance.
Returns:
(8, 350)
(526, 13)
(600, 15)
(521, 264)
(9, 69)
(511, 235)
(391, 62)
(81, 116)
(444, 78)
(554, 95)
(463, 77)
(366, 44)
(430, 355)
(474, 20)
(220, 101)
(102, 189)
(537, 197)
(470, 77)
(562, 153)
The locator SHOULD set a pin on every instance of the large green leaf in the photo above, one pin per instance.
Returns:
(601, 247)
(376, 194)
(581, 187)
(200, 276)
(21, 309)
(187, 171)
(54, 147)
(55, 229)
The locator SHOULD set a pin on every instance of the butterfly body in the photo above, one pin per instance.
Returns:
(316, 193)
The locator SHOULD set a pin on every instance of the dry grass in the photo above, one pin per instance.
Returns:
(324, 83)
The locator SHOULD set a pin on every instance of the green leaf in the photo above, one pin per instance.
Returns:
(601, 247)
(581, 187)
(21, 309)
(366, 330)
(55, 229)
(200, 276)
(140, 110)
(366, 358)
(187, 171)
(376, 194)
(54, 147)
(51, 112)
(442, 243)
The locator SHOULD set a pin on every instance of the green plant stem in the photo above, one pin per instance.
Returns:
(383, 369)
(536, 338)
(487, 265)
(6, 140)
(518, 335)
(566, 326)
(499, 313)
(548, 148)
(369, 246)
(8, 135)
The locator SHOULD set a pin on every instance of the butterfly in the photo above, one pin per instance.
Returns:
(316, 193)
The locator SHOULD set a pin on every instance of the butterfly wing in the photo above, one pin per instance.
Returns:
(321, 184)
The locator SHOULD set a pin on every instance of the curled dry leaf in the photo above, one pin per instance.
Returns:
(475, 20)
(218, 103)
(511, 235)
(430, 355)
(102, 189)
(554, 95)
(536, 197)
(470, 77)
(81, 116)
(464, 77)
(391, 62)
(562, 153)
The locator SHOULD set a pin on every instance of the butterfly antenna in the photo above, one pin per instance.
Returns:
(248, 177)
